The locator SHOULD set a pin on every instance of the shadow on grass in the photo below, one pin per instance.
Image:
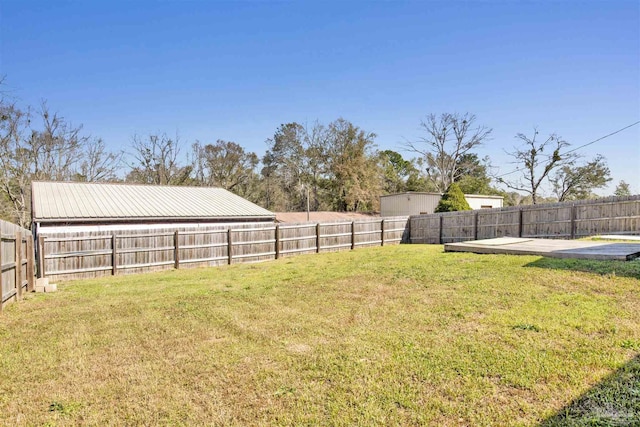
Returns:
(609, 268)
(613, 402)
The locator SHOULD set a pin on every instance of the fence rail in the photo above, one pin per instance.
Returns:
(569, 220)
(16, 263)
(81, 255)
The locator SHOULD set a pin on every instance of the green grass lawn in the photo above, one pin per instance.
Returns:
(402, 335)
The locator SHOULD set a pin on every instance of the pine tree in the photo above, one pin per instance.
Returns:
(453, 200)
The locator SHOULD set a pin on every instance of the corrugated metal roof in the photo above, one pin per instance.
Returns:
(79, 201)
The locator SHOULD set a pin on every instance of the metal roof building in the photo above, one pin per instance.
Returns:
(404, 204)
(93, 204)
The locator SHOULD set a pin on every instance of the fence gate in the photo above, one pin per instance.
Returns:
(16, 263)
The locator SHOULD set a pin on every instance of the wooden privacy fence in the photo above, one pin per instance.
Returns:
(91, 254)
(569, 220)
(17, 263)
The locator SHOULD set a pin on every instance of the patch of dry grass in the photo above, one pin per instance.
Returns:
(403, 335)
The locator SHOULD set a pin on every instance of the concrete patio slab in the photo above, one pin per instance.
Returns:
(579, 249)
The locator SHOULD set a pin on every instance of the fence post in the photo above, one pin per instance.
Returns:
(1, 275)
(30, 272)
(318, 238)
(441, 219)
(382, 232)
(520, 222)
(1, 281)
(573, 222)
(229, 245)
(176, 250)
(18, 272)
(114, 254)
(41, 256)
(353, 235)
(277, 238)
(475, 226)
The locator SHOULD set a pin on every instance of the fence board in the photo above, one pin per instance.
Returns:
(75, 255)
(613, 215)
(16, 262)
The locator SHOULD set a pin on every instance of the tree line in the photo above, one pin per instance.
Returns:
(334, 166)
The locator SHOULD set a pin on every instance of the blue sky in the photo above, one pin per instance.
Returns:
(213, 70)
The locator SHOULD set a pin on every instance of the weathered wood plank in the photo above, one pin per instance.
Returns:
(71, 255)
(18, 264)
(576, 219)
(16, 258)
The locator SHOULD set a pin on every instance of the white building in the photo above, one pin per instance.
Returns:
(404, 204)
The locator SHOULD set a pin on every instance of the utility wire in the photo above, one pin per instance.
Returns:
(601, 138)
(579, 147)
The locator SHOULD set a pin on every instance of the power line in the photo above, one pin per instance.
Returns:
(601, 138)
(579, 147)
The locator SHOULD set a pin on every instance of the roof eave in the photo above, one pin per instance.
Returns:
(154, 219)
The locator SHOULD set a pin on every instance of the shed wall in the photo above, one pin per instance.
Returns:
(408, 204)
(479, 202)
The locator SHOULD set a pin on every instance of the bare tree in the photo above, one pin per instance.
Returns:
(448, 138)
(98, 163)
(156, 161)
(573, 182)
(56, 149)
(15, 168)
(43, 146)
(226, 164)
(534, 165)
